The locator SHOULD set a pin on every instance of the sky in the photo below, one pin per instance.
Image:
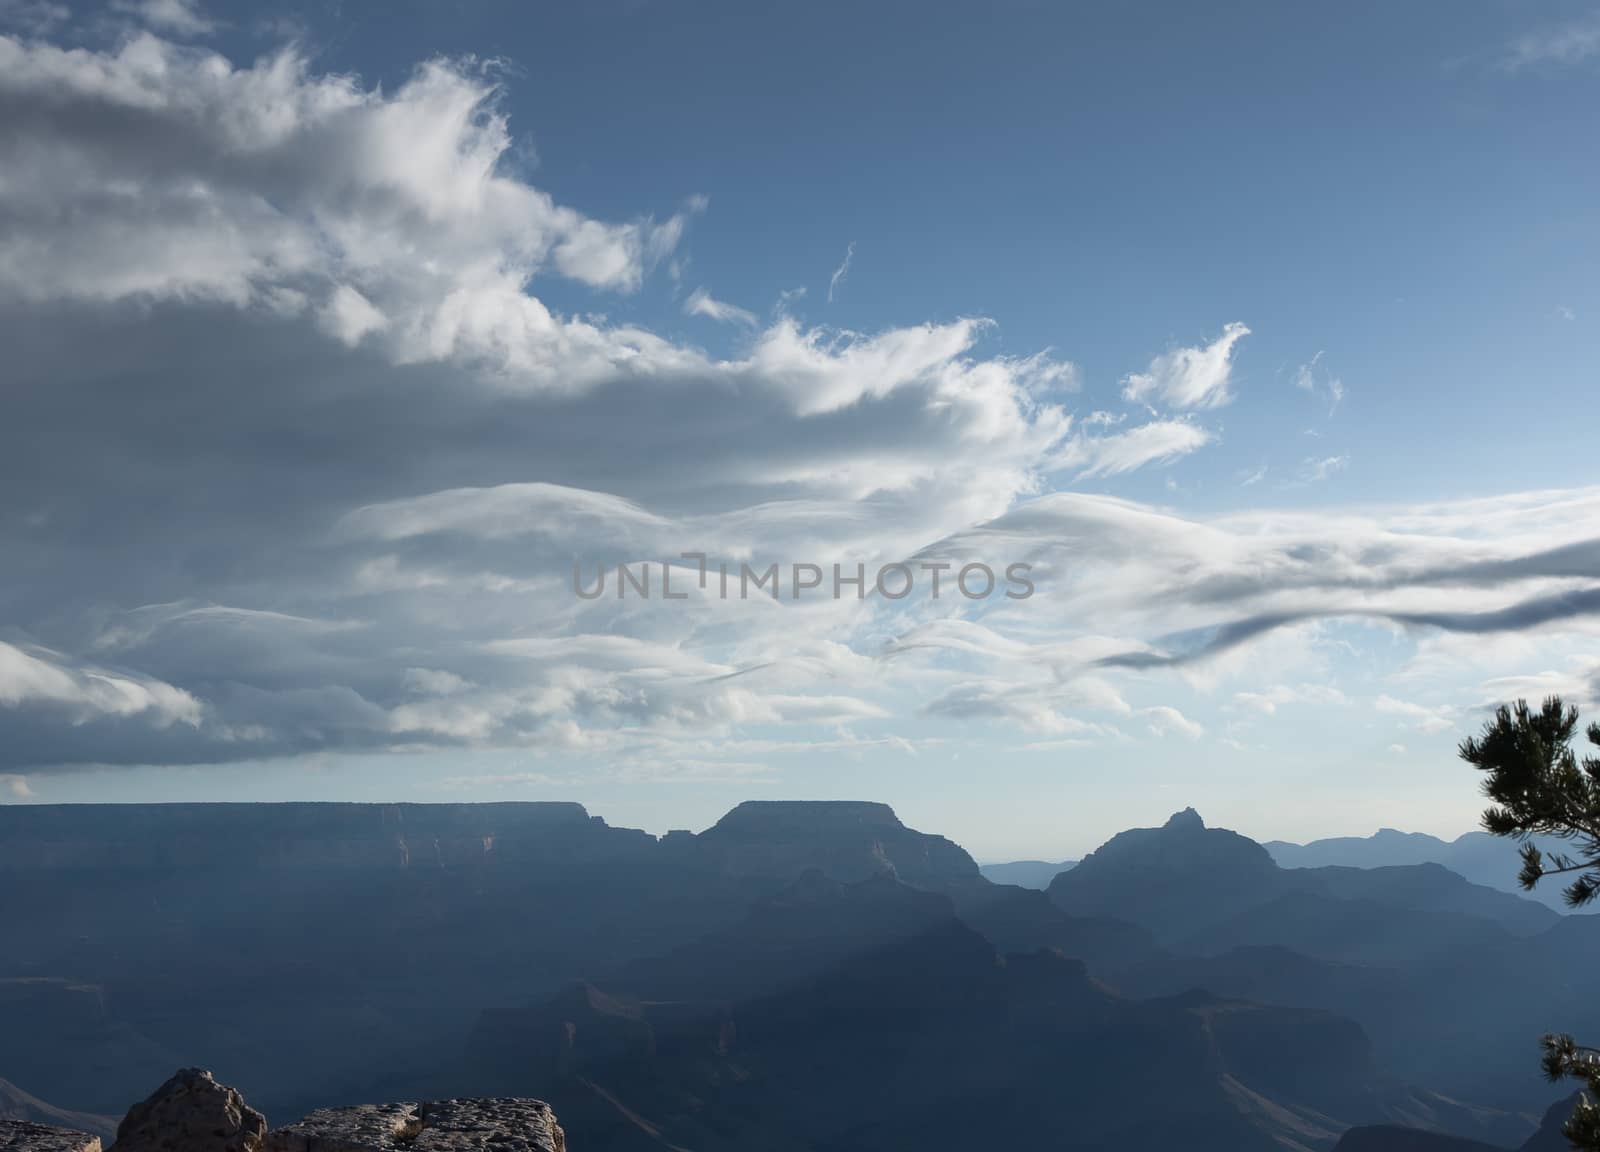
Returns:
(345, 342)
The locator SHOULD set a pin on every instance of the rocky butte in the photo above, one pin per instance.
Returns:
(191, 1112)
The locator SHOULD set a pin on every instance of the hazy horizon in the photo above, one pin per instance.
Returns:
(1048, 853)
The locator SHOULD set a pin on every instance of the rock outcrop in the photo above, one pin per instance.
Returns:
(504, 1125)
(26, 1136)
(191, 1112)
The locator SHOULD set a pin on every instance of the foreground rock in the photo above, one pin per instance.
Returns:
(26, 1136)
(505, 1125)
(192, 1113)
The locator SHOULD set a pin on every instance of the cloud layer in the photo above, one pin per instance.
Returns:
(302, 459)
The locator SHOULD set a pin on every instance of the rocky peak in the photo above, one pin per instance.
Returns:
(1170, 879)
(1186, 821)
(194, 1113)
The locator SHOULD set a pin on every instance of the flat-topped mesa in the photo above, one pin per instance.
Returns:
(804, 817)
(303, 836)
(505, 1124)
(26, 1136)
(845, 840)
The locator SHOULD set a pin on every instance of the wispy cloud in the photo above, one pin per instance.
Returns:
(702, 303)
(1570, 43)
(1438, 718)
(1189, 378)
(841, 271)
(1312, 378)
(35, 17)
(1167, 721)
(1268, 701)
(177, 17)
(1315, 469)
(1159, 441)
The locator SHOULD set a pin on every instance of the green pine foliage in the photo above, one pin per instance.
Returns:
(1538, 787)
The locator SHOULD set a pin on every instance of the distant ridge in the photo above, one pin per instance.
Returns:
(1025, 873)
(15, 1104)
(1483, 859)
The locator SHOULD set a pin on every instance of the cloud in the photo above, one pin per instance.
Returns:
(701, 303)
(83, 694)
(177, 17)
(1578, 685)
(1167, 721)
(317, 457)
(35, 17)
(1570, 43)
(1034, 709)
(1189, 378)
(1160, 441)
(841, 271)
(1314, 470)
(1268, 701)
(1184, 592)
(1311, 378)
(1424, 719)
(266, 186)
(1252, 476)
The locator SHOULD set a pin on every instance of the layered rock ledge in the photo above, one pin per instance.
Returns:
(26, 1136)
(191, 1112)
(503, 1124)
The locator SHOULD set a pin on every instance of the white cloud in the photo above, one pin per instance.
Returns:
(349, 316)
(1189, 378)
(841, 271)
(44, 678)
(1166, 721)
(178, 17)
(389, 209)
(1312, 378)
(702, 303)
(1160, 441)
(325, 305)
(1423, 718)
(1268, 701)
(1579, 684)
(1314, 469)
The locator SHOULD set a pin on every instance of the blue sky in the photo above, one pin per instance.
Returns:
(340, 331)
